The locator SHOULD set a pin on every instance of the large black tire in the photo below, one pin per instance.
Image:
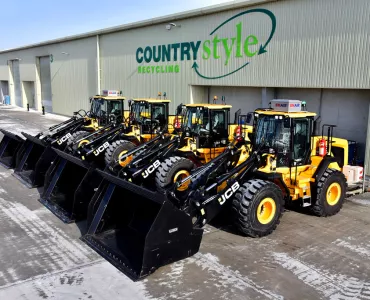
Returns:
(247, 202)
(75, 137)
(166, 172)
(112, 153)
(327, 204)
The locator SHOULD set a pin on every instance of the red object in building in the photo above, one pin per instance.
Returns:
(322, 147)
(177, 123)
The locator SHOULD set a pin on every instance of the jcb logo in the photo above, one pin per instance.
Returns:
(101, 148)
(64, 138)
(151, 169)
(231, 191)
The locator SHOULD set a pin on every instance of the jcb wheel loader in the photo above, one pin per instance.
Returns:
(146, 229)
(292, 172)
(107, 229)
(36, 155)
(71, 181)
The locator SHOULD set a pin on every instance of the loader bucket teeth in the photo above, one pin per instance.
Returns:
(138, 230)
(69, 187)
(33, 162)
(9, 146)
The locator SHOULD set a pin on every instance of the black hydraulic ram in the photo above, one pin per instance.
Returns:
(98, 145)
(206, 202)
(142, 169)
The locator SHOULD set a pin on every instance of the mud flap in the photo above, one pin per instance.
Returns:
(138, 230)
(70, 184)
(9, 147)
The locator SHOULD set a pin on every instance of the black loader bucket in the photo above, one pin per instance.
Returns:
(9, 146)
(33, 161)
(138, 230)
(69, 186)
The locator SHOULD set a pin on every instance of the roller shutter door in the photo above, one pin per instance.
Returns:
(45, 78)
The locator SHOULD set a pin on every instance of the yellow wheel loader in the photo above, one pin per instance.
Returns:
(139, 230)
(36, 154)
(126, 210)
(293, 168)
(71, 181)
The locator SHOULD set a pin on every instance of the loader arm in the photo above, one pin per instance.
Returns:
(57, 138)
(201, 174)
(155, 151)
(101, 142)
(207, 201)
(137, 171)
(60, 125)
(149, 145)
(93, 135)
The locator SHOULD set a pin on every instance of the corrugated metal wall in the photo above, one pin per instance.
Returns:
(317, 44)
(347, 109)
(73, 72)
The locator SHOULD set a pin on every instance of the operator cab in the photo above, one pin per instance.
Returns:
(149, 114)
(107, 109)
(285, 130)
(208, 124)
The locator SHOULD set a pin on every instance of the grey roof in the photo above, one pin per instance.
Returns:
(169, 18)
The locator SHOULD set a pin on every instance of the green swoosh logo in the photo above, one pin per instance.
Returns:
(262, 47)
(195, 67)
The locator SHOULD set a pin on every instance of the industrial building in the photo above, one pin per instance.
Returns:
(248, 52)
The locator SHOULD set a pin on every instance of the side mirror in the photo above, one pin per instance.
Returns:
(287, 122)
(179, 109)
(249, 118)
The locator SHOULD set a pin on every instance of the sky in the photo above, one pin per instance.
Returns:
(25, 22)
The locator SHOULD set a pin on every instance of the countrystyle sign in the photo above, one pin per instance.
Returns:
(238, 46)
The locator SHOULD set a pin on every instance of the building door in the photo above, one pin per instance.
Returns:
(4, 90)
(17, 83)
(29, 93)
(45, 79)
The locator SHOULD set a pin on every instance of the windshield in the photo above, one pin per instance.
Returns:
(140, 111)
(272, 133)
(197, 120)
(102, 108)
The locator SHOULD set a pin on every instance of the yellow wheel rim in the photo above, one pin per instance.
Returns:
(124, 163)
(333, 193)
(82, 143)
(266, 210)
(179, 176)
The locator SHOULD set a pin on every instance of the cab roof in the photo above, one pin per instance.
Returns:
(150, 100)
(110, 97)
(209, 105)
(298, 114)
